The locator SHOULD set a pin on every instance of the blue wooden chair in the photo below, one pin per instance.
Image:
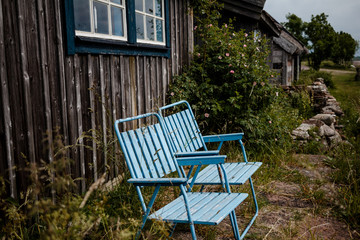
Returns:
(187, 140)
(150, 161)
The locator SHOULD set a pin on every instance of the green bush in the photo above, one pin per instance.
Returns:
(307, 77)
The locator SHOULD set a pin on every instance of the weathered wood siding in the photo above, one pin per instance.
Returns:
(44, 92)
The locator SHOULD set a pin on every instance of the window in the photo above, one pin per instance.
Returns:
(149, 21)
(131, 27)
(100, 18)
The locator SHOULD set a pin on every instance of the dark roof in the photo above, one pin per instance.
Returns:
(282, 37)
(248, 8)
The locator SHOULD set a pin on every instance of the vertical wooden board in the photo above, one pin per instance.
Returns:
(86, 118)
(27, 101)
(127, 91)
(114, 86)
(61, 66)
(92, 88)
(97, 71)
(53, 66)
(80, 142)
(72, 115)
(177, 37)
(105, 88)
(181, 41)
(158, 83)
(7, 161)
(164, 80)
(147, 85)
(172, 35)
(140, 93)
(123, 95)
(153, 84)
(35, 99)
(45, 80)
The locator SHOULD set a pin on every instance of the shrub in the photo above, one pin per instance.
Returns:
(307, 77)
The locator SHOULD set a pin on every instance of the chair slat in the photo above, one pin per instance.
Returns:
(136, 146)
(173, 133)
(191, 143)
(178, 133)
(167, 152)
(159, 150)
(192, 127)
(152, 149)
(131, 155)
(140, 132)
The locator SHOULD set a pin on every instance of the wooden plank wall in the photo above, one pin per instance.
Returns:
(44, 92)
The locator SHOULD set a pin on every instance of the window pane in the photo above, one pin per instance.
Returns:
(159, 30)
(117, 1)
(101, 24)
(82, 15)
(158, 8)
(139, 5)
(117, 21)
(140, 26)
(149, 7)
(150, 33)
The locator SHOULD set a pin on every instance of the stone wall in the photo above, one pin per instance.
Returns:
(323, 126)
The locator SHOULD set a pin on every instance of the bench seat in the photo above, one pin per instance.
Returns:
(206, 208)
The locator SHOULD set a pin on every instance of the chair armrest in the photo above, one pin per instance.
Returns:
(157, 181)
(223, 137)
(197, 153)
(203, 160)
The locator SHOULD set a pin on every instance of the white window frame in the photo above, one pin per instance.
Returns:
(163, 43)
(101, 35)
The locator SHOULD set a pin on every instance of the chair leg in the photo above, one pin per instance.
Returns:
(256, 211)
(146, 214)
(187, 206)
(234, 225)
(172, 229)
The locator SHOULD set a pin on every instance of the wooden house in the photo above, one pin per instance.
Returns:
(286, 50)
(68, 66)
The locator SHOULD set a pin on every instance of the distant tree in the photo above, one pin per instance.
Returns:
(322, 38)
(296, 27)
(344, 49)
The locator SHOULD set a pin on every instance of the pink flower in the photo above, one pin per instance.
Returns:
(172, 93)
(227, 54)
(277, 94)
(206, 115)
(254, 83)
(225, 25)
(270, 122)
(230, 65)
(195, 27)
(246, 34)
(220, 57)
(275, 139)
(243, 55)
(198, 54)
(262, 84)
(210, 25)
(245, 45)
(232, 71)
(272, 76)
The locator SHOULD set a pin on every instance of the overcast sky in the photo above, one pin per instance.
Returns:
(344, 15)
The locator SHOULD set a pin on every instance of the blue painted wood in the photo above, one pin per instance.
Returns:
(149, 158)
(206, 208)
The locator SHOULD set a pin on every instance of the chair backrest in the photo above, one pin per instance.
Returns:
(183, 129)
(146, 149)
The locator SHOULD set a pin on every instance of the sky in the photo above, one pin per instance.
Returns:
(343, 15)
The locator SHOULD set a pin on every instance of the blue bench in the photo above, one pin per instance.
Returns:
(187, 140)
(150, 161)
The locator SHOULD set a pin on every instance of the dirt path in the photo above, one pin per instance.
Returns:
(299, 205)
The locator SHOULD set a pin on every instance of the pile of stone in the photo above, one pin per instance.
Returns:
(321, 127)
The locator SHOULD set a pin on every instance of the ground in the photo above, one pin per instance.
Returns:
(299, 207)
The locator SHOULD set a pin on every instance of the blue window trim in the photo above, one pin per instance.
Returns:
(77, 44)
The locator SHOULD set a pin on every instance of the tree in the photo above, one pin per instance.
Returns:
(344, 49)
(322, 37)
(296, 27)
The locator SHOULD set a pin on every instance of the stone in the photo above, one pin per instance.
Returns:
(302, 131)
(335, 140)
(327, 131)
(328, 119)
(333, 108)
